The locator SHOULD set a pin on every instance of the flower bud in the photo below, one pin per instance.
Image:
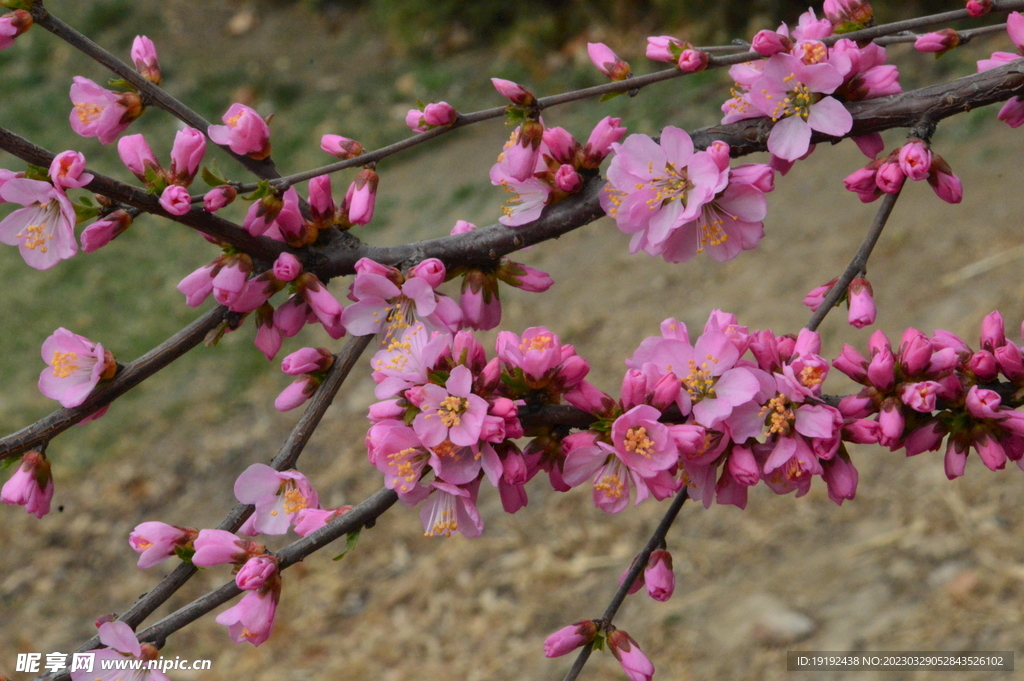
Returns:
(767, 43)
(862, 303)
(218, 197)
(570, 638)
(938, 42)
(145, 59)
(915, 160)
(339, 146)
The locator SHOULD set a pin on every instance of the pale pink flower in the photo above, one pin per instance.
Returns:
(122, 645)
(790, 92)
(68, 170)
(44, 230)
(277, 495)
(244, 132)
(451, 508)
(407, 359)
(642, 443)
(633, 660)
(156, 541)
(31, 485)
(76, 366)
(252, 619)
(568, 639)
(451, 413)
(102, 113)
(145, 58)
(386, 299)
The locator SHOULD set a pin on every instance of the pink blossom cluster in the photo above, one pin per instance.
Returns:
(803, 82)
(429, 116)
(186, 155)
(914, 160)
(677, 202)
(446, 409)
(635, 663)
(673, 51)
(541, 166)
(930, 387)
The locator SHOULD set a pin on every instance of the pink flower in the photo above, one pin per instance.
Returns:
(218, 197)
(176, 200)
(789, 91)
(122, 645)
(607, 62)
(944, 182)
(44, 230)
(691, 61)
(642, 443)
(256, 572)
(862, 304)
(145, 59)
(76, 365)
(306, 361)
(12, 25)
(938, 42)
(186, 155)
(101, 113)
(339, 146)
(841, 478)
(230, 282)
(252, 619)
(387, 299)
(158, 541)
(451, 413)
(978, 8)
(433, 115)
(31, 485)
(406, 360)
(817, 295)
(890, 177)
(607, 132)
(450, 509)
(68, 170)
(568, 639)
(245, 132)
(220, 547)
(655, 188)
(636, 665)
(277, 495)
(658, 576)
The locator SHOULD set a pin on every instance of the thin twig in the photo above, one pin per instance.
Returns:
(639, 564)
(859, 263)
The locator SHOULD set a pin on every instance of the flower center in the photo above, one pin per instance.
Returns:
(674, 184)
(779, 417)
(709, 227)
(233, 121)
(35, 236)
(814, 52)
(401, 463)
(637, 442)
(294, 500)
(699, 382)
(797, 101)
(611, 483)
(63, 363)
(811, 376)
(87, 111)
(443, 519)
(451, 409)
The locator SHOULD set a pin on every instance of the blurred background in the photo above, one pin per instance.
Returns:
(914, 563)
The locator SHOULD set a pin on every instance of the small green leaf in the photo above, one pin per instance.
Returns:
(85, 212)
(211, 175)
(350, 543)
(608, 96)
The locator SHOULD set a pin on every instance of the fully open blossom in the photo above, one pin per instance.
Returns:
(450, 509)
(31, 485)
(654, 188)
(791, 93)
(277, 495)
(244, 132)
(407, 359)
(44, 230)
(387, 299)
(122, 645)
(252, 618)
(451, 413)
(101, 113)
(76, 365)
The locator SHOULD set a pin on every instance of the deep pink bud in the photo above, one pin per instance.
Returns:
(296, 394)
(1010, 360)
(573, 370)
(514, 91)
(287, 267)
(231, 280)
(857, 406)
(983, 365)
(665, 392)
(439, 113)
(198, 285)
(607, 61)
(658, 576)
(927, 438)
(766, 43)
(608, 131)
(852, 363)
(862, 303)
(993, 331)
(568, 180)
(946, 185)
(880, 370)
(816, 296)
(31, 485)
(665, 48)
(145, 59)
(890, 177)
(176, 200)
(982, 403)
(864, 182)
(862, 432)
(915, 352)
(841, 478)
(570, 638)
(361, 197)
(136, 155)
(430, 270)
(186, 155)
(991, 452)
(244, 132)
(633, 660)
(306, 361)
(12, 25)
(691, 61)
(938, 42)
(102, 232)
(256, 571)
(978, 8)
(339, 146)
(218, 197)
(915, 160)
(956, 458)
(891, 422)
(634, 389)
(743, 466)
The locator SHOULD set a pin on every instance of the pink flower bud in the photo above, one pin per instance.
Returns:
(339, 146)
(743, 466)
(231, 280)
(198, 285)
(862, 304)
(12, 25)
(853, 13)
(220, 547)
(439, 113)
(218, 197)
(589, 398)
(186, 155)
(296, 394)
(1012, 112)
(691, 61)
(891, 422)
(927, 438)
(158, 541)
(324, 305)
(719, 151)
(31, 485)
(568, 180)
(920, 396)
(513, 91)
(956, 459)
(309, 520)
(562, 146)
(938, 42)
(1015, 28)
(862, 432)
(245, 132)
(607, 61)
(256, 571)
(816, 296)
(767, 43)
(414, 121)
(634, 389)
(852, 363)
(321, 201)
(430, 270)
(759, 175)
(841, 478)
(306, 361)
(665, 48)
(68, 170)
(915, 160)
(857, 406)
(176, 200)
(573, 370)
(863, 182)
(102, 113)
(462, 227)
(890, 177)
(946, 185)
(881, 370)
(102, 232)
(570, 638)
(1011, 362)
(607, 132)
(983, 365)
(636, 665)
(287, 267)
(978, 8)
(665, 391)
(361, 197)
(658, 576)
(993, 331)
(386, 410)
(137, 156)
(870, 145)
(145, 59)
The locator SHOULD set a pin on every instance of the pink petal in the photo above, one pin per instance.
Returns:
(830, 117)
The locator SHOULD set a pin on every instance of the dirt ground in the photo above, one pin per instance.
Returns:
(915, 562)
